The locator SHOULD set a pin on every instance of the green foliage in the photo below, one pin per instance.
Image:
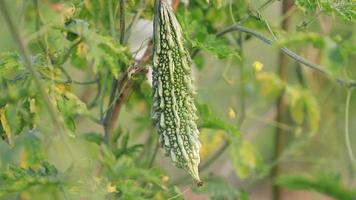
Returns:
(90, 78)
(325, 184)
(101, 51)
(346, 9)
(242, 152)
(208, 119)
(15, 179)
(130, 179)
(198, 36)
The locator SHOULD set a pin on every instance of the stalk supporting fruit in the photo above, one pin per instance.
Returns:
(174, 112)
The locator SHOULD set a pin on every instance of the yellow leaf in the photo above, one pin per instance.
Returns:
(68, 13)
(111, 188)
(257, 66)
(243, 158)
(210, 142)
(165, 178)
(6, 133)
(82, 49)
(232, 114)
(33, 108)
(270, 84)
(313, 113)
(296, 104)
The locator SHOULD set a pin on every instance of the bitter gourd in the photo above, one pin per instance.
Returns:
(174, 112)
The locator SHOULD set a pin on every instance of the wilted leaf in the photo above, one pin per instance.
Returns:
(5, 130)
(270, 85)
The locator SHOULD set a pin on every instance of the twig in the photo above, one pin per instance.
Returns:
(122, 21)
(108, 122)
(68, 52)
(153, 156)
(242, 83)
(280, 134)
(304, 24)
(290, 53)
(28, 64)
(347, 132)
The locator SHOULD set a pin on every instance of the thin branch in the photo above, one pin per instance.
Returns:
(290, 53)
(122, 21)
(152, 159)
(65, 57)
(26, 56)
(242, 81)
(108, 121)
(347, 127)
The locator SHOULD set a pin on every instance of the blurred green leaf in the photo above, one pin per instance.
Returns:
(17, 179)
(325, 184)
(209, 120)
(198, 37)
(343, 8)
(93, 137)
(102, 51)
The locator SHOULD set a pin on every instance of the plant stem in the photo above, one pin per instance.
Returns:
(280, 135)
(108, 121)
(122, 21)
(152, 159)
(347, 133)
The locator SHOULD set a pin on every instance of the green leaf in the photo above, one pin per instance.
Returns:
(69, 105)
(209, 120)
(198, 36)
(10, 66)
(102, 51)
(324, 184)
(33, 150)
(343, 8)
(93, 137)
(17, 179)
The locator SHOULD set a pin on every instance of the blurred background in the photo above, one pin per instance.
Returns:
(271, 127)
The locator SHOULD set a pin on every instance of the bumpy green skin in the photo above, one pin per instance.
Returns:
(173, 104)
